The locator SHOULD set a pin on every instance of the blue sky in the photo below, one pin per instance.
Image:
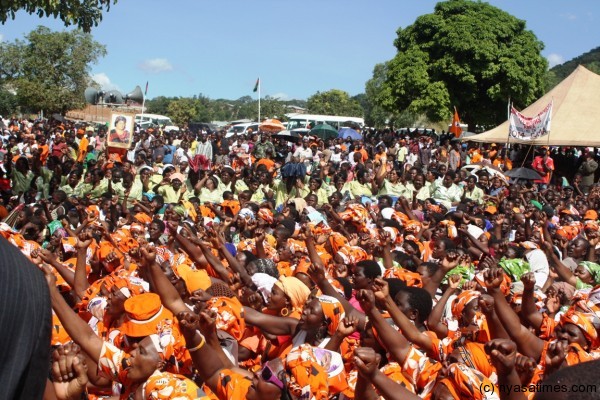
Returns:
(219, 48)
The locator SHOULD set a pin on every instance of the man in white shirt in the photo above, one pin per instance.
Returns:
(303, 152)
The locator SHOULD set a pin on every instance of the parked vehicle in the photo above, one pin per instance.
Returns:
(146, 121)
(242, 129)
(307, 121)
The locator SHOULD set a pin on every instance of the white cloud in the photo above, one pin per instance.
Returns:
(281, 96)
(555, 59)
(1, 37)
(156, 65)
(569, 16)
(104, 81)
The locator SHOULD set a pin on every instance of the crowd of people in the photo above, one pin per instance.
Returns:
(195, 266)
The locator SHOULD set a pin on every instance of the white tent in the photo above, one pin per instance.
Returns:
(575, 114)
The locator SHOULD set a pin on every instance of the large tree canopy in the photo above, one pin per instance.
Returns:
(50, 70)
(82, 13)
(468, 55)
(334, 102)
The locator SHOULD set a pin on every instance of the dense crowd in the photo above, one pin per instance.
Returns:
(197, 266)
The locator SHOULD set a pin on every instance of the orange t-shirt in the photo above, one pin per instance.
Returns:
(270, 164)
(365, 155)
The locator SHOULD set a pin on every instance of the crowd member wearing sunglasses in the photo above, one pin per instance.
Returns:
(219, 373)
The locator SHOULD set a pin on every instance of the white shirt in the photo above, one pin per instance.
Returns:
(303, 153)
(539, 266)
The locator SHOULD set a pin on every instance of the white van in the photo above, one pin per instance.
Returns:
(304, 121)
(242, 129)
(146, 121)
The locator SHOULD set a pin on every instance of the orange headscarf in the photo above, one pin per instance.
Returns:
(411, 278)
(584, 323)
(461, 301)
(266, 215)
(306, 374)
(295, 290)
(333, 312)
(230, 315)
(352, 254)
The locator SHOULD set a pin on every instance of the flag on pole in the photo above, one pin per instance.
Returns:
(146, 91)
(256, 86)
(455, 127)
(530, 128)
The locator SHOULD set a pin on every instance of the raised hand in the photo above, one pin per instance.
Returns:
(503, 353)
(259, 235)
(348, 326)
(189, 323)
(341, 271)
(499, 220)
(84, 240)
(528, 280)
(36, 258)
(385, 238)
(69, 372)
(207, 322)
(525, 367)
(553, 303)
(148, 254)
(450, 261)
(488, 262)
(454, 281)
(381, 289)
(486, 303)
(47, 256)
(366, 298)
(493, 278)
(316, 273)
(555, 355)
(366, 361)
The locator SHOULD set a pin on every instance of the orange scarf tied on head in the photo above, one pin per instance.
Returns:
(461, 301)
(333, 312)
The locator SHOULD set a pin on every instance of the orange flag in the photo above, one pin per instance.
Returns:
(455, 128)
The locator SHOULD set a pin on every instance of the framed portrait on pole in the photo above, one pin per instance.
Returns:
(120, 131)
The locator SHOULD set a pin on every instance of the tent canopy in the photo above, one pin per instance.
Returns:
(575, 114)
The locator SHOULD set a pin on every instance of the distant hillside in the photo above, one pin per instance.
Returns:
(590, 60)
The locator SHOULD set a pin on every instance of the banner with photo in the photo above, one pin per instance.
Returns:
(530, 128)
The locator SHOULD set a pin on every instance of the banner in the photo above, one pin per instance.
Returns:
(256, 86)
(526, 128)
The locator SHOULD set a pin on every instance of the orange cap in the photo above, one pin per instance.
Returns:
(144, 313)
(491, 210)
(590, 214)
(194, 279)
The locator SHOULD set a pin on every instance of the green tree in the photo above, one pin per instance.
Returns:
(50, 70)
(82, 13)
(8, 103)
(334, 102)
(379, 104)
(183, 110)
(204, 111)
(159, 105)
(466, 54)
(271, 107)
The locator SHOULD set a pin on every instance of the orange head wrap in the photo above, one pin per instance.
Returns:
(333, 312)
(461, 301)
(295, 290)
(230, 315)
(583, 322)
